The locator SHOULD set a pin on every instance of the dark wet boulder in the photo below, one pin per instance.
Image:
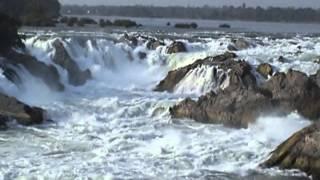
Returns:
(231, 107)
(238, 105)
(316, 78)
(282, 59)
(154, 44)
(176, 47)
(11, 108)
(240, 44)
(142, 55)
(300, 151)
(61, 57)
(265, 70)
(47, 73)
(239, 72)
(131, 40)
(295, 91)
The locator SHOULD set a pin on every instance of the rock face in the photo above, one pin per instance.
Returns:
(265, 70)
(300, 151)
(11, 108)
(176, 47)
(76, 76)
(316, 78)
(49, 74)
(243, 100)
(240, 72)
(239, 44)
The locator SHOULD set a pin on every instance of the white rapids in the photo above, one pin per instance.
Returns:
(116, 127)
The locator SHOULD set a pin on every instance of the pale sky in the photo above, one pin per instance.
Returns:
(263, 3)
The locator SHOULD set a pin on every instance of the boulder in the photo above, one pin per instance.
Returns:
(316, 78)
(233, 108)
(176, 47)
(295, 91)
(154, 44)
(238, 105)
(301, 151)
(265, 70)
(48, 73)
(61, 57)
(239, 72)
(131, 40)
(142, 55)
(239, 44)
(11, 108)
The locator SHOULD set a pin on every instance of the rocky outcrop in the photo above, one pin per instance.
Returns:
(237, 73)
(316, 78)
(176, 47)
(76, 76)
(11, 108)
(301, 151)
(153, 44)
(131, 40)
(265, 70)
(238, 104)
(239, 44)
(48, 73)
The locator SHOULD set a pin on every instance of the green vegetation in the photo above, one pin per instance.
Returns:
(206, 12)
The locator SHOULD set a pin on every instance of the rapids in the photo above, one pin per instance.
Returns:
(116, 127)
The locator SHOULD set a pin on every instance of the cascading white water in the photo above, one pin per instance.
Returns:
(115, 126)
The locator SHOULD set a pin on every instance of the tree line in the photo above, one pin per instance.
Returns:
(32, 12)
(275, 14)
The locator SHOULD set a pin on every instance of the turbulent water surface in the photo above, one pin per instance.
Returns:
(116, 127)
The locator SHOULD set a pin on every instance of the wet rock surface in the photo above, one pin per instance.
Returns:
(12, 109)
(238, 71)
(176, 47)
(301, 151)
(47, 73)
(76, 76)
(243, 100)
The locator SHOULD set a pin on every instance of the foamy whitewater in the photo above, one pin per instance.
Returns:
(116, 127)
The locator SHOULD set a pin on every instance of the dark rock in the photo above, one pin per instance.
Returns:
(238, 105)
(265, 70)
(9, 34)
(11, 108)
(295, 91)
(240, 72)
(124, 23)
(48, 73)
(233, 108)
(142, 55)
(176, 47)
(225, 26)
(239, 44)
(132, 40)
(282, 59)
(76, 76)
(301, 151)
(154, 44)
(316, 78)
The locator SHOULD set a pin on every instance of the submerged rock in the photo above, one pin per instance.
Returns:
(11, 108)
(76, 76)
(265, 70)
(176, 47)
(48, 73)
(236, 73)
(301, 151)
